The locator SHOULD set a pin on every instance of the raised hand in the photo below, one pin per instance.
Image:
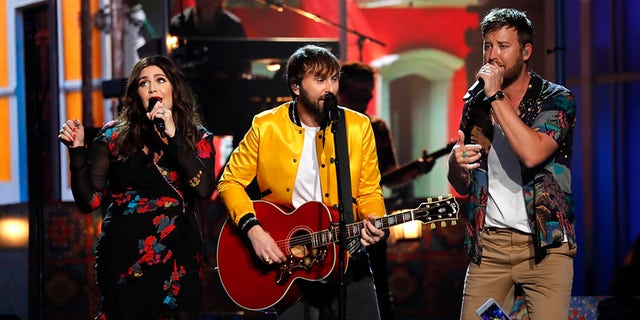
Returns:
(466, 156)
(71, 134)
(160, 111)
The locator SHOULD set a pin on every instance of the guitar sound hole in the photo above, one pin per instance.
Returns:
(303, 254)
(299, 251)
(300, 244)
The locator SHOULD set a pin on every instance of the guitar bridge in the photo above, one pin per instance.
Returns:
(301, 259)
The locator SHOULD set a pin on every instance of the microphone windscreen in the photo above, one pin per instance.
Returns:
(330, 100)
(152, 102)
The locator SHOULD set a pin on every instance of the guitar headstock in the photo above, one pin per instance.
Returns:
(441, 209)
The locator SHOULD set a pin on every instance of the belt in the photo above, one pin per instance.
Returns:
(499, 229)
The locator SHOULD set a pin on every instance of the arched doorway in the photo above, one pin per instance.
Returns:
(413, 90)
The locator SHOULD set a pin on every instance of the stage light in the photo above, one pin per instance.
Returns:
(273, 67)
(14, 232)
(407, 231)
(172, 42)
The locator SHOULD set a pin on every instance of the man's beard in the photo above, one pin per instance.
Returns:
(512, 74)
(313, 107)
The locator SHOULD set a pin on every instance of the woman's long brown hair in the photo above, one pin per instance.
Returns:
(134, 126)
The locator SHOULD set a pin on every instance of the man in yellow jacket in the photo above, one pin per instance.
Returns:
(290, 151)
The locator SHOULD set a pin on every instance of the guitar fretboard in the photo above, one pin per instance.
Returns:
(428, 212)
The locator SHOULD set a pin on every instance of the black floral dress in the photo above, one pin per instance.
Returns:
(149, 254)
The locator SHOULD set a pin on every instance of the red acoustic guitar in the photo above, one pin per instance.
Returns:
(308, 236)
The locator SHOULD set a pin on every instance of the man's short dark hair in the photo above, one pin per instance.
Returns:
(513, 18)
(310, 59)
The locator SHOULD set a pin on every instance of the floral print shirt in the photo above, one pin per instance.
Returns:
(548, 108)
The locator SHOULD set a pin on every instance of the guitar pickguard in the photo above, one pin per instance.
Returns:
(303, 257)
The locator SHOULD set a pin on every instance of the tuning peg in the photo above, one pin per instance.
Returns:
(432, 225)
(453, 222)
(443, 224)
(439, 197)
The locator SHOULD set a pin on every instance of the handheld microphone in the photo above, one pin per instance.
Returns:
(158, 122)
(331, 105)
(474, 89)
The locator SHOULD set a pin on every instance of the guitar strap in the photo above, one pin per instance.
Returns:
(339, 129)
(345, 207)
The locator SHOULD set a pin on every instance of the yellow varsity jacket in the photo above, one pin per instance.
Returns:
(271, 150)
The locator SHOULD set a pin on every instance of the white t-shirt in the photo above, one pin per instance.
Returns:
(307, 187)
(505, 206)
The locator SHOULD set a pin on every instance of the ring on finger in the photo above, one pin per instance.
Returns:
(464, 154)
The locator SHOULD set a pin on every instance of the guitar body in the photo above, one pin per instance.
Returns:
(254, 285)
(307, 236)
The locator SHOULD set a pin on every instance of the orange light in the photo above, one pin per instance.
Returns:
(14, 232)
(172, 42)
(407, 231)
(273, 67)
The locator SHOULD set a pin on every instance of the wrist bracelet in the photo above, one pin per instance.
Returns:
(249, 223)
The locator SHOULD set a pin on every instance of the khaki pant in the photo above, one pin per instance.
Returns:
(508, 260)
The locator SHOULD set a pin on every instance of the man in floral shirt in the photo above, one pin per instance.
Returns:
(513, 161)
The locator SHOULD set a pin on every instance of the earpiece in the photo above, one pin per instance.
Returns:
(295, 87)
(525, 51)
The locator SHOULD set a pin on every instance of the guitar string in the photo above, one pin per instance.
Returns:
(308, 238)
(305, 238)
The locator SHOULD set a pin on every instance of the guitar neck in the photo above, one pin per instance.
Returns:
(383, 223)
(429, 212)
(414, 165)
